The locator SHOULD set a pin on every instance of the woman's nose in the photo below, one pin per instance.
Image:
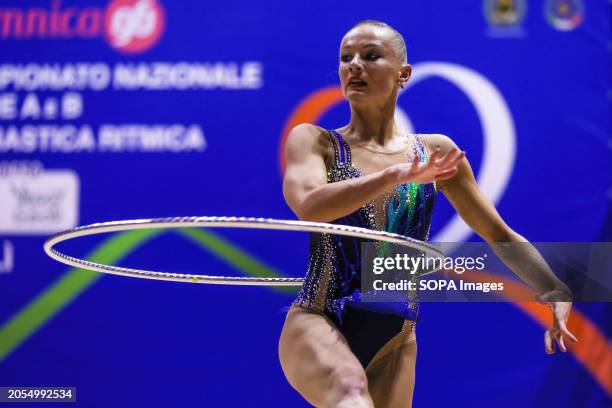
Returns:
(355, 65)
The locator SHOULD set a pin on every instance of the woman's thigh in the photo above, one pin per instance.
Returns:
(391, 379)
(315, 357)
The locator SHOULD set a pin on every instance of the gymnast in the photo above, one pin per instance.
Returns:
(336, 350)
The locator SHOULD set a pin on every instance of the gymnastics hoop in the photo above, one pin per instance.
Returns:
(223, 222)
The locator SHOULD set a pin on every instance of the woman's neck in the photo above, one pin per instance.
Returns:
(371, 124)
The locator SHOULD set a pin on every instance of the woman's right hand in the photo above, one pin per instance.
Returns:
(436, 168)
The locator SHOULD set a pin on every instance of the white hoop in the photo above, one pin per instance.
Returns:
(224, 222)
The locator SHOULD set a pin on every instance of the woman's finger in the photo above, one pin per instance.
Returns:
(415, 163)
(454, 161)
(561, 343)
(566, 332)
(452, 165)
(458, 158)
(434, 156)
(549, 345)
(447, 158)
(447, 174)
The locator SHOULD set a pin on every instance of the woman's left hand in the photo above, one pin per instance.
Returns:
(561, 312)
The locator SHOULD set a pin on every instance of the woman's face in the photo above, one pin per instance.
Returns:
(370, 66)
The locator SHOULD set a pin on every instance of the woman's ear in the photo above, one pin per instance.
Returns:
(405, 73)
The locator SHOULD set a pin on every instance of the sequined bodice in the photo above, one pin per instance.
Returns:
(333, 276)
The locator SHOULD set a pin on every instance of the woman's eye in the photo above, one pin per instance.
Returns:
(372, 56)
(345, 58)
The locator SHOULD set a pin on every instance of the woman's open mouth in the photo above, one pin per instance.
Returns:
(357, 84)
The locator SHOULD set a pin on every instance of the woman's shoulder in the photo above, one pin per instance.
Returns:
(306, 133)
(307, 129)
(433, 140)
(309, 137)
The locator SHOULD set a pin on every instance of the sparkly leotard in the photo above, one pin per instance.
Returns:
(332, 285)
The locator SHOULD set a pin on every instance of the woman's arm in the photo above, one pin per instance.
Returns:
(311, 198)
(516, 252)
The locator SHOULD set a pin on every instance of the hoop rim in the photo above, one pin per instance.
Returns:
(221, 222)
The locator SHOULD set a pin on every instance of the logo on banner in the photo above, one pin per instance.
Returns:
(564, 15)
(505, 17)
(505, 13)
(129, 26)
(40, 203)
(133, 26)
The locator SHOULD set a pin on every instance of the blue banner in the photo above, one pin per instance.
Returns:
(131, 109)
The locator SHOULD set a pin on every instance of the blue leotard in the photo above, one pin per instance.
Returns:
(332, 285)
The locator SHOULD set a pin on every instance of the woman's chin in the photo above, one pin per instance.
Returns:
(356, 95)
